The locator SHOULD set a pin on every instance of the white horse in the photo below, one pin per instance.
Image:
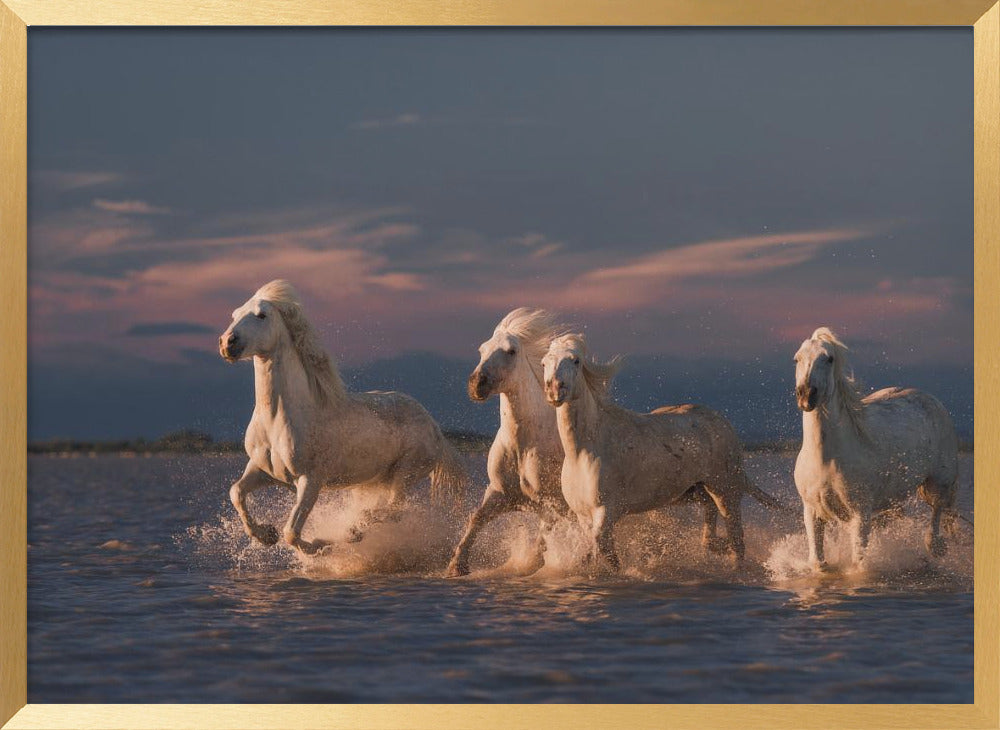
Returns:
(308, 432)
(526, 456)
(861, 456)
(619, 462)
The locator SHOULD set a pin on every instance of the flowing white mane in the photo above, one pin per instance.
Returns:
(597, 375)
(535, 328)
(847, 387)
(324, 380)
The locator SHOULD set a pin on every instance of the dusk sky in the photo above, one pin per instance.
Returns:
(698, 199)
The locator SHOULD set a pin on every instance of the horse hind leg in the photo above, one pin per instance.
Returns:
(709, 537)
(941, 501)
(306, 493)
(728, 505)
(397, 487)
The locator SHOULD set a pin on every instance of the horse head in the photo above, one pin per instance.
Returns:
(258, 326)
(561, 369)
(819, 367)
(519, 340)
(568, 370)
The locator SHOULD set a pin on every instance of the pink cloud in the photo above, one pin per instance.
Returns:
(728, 257)
(130, 207)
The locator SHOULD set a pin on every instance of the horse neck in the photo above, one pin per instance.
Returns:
(829, 429)
(281, 384)
(524, 411)
(577, 421)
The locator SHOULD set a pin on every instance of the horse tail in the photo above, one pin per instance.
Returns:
(766, 499)
(449, 478)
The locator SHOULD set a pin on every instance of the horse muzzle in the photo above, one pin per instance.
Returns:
(230, 348)
(806, 397)
(480, 387)
(555, 393)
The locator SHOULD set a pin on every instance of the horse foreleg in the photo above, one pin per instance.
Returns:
(604, 539)
(306, 493)
(252, 480)
(814, 536)
(494, 504)
(861, 527)
(548, 515)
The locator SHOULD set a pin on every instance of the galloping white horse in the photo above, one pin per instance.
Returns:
(860, 456)
(526, 456)
(307, 431)
(619, 462)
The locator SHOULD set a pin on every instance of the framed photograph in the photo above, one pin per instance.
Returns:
(492, 366)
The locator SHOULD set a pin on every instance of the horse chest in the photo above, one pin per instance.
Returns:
(827, 488)
(272, 450)
(581, 476)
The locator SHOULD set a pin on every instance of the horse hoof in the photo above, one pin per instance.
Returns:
(935, 546)
(315, 547)
(266, 534)
(716, 545)
(456, 570)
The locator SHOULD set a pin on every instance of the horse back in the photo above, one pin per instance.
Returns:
(895, 404)
(395, 408)
(690, 416)
(690, 432)
(914, 426)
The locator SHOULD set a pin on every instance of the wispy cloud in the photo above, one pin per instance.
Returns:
(64, 180)
(380, 267)
(729, 257)
(129, 207)
(406, 119)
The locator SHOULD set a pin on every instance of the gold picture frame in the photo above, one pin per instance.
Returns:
(15, 18)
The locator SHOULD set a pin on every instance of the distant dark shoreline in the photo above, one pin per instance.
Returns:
(196, 442)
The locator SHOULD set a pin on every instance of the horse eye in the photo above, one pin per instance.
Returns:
(261, 315)
(829, 358)
(511, 351)
(576, 361)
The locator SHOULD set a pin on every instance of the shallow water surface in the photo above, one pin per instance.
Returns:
(142, 588)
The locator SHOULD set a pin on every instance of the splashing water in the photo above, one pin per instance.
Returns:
(417, 539)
